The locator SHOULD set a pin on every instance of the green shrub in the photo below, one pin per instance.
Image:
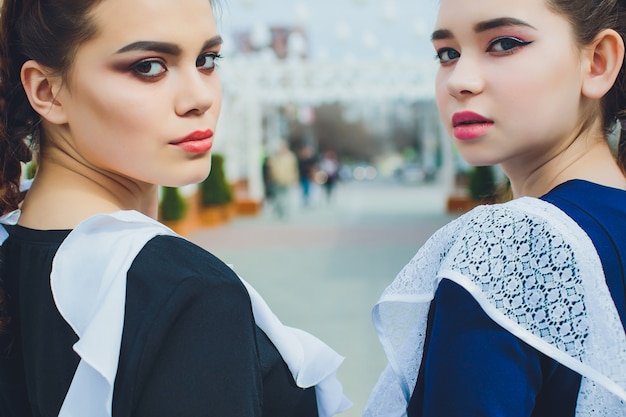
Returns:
(215, 189)
(482, 184)
(173, 205)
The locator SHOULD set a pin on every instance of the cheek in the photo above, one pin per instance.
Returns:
(216, 107)
(108, 129)
(442, 98)
(114, 111)
(540, 98)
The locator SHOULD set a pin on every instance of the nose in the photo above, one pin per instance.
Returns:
(197, 92)
(465, 78)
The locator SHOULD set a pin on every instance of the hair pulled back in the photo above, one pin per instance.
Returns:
(588, 18)
(49, 32)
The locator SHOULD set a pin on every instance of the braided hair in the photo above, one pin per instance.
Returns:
(49, 32)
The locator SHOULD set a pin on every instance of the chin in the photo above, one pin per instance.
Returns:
(475, 159)
(189, 180)
(195, 176)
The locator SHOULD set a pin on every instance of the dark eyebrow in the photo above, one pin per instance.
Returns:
(442, 34)
(213, 42)
(162, 47)
(165, 47)
(498, 23)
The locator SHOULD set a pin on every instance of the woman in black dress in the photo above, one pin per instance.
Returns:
(106, 312)
(519, 309)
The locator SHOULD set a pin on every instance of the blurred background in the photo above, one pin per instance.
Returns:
(330, 167)
(351, 76)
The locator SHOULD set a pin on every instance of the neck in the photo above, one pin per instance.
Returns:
(590, 160)
(64, 195)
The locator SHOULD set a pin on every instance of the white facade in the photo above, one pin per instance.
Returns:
(255, 85)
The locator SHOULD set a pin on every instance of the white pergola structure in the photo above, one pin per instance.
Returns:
(254, 86)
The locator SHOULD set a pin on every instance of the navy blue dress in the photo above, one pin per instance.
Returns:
(473, 367)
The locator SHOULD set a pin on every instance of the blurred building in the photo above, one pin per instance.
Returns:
(283, 41)
(271, 76)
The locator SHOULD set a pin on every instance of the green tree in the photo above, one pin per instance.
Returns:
(215, 189)
(173, 205)
(482, 184)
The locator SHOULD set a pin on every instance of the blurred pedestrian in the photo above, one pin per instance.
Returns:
(518, 309)
(283, 170)
(329, 168)
(307, 163)
(268, 183)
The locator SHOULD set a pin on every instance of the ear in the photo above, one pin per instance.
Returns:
(42, 90)
(603, 59)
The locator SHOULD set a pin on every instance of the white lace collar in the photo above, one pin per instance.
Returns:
(564, 311)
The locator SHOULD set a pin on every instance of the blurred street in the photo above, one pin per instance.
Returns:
(322, 268)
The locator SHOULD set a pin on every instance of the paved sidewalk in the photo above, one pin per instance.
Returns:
(323, 268)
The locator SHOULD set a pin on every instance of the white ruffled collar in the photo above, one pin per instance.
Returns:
(97, 315)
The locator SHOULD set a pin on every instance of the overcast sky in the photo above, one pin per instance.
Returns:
(342, 29)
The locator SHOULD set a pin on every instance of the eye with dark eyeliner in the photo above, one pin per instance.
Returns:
(149, 68)
(446, 55)
(506, 45)
(208, 61)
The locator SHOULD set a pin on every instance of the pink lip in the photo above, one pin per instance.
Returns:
(469, 125)
(199, 141)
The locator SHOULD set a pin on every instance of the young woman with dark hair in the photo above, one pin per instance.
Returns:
(518, 309)
(106, 312)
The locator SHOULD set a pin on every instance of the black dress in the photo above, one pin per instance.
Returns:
(190, 345)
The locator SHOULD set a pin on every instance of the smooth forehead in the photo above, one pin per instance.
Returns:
(129, 20)
(463, 16)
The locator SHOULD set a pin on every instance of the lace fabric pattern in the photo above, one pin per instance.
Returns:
(536, 273)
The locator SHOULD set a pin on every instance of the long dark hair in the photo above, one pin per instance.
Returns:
(588, 18)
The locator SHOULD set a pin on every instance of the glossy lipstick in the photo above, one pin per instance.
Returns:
(469, 125)
(200, 141)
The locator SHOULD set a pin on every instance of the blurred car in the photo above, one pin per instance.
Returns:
(410, 172)
(364, 172)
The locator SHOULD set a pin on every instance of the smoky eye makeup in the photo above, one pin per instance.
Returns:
(208, 61)
(149, 69)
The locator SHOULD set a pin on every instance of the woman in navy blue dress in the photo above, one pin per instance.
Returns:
(518, 309)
